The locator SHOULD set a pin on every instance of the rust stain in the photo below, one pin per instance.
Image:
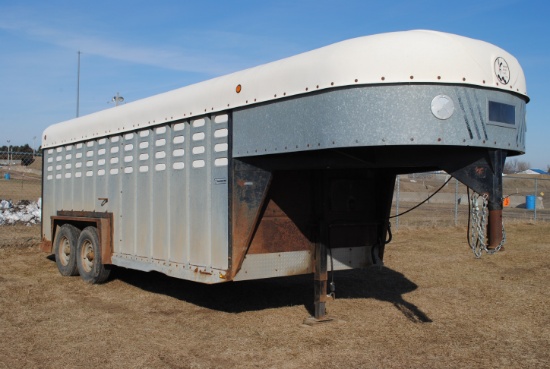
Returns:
(278, 234)
(250, 185)
(46, 245)
(285, 224)
(105, 229)
(480, 172)
(494, 228)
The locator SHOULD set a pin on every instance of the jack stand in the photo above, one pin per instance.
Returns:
(320, 281)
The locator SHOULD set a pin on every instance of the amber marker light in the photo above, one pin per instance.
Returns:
(238, 88)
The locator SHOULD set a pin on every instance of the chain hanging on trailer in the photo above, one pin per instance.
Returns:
(477, 227)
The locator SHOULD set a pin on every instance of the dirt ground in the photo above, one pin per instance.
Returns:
(432, 306)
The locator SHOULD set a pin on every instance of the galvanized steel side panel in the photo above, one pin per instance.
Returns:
(200, 192)
(73, 165)
(219, 151)
(377, 116)
(160, 197)
(48, 192)
(112, 192)
(177, 167)
(127, 242)
(166, 187)
(89, 177)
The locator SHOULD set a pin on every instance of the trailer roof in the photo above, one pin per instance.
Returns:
(416, 56)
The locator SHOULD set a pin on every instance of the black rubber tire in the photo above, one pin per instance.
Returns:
(65, 245)
(89, 263)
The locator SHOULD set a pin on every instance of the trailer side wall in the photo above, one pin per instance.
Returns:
(166, 186)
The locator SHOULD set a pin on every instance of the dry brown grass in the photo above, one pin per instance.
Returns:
(432, 306)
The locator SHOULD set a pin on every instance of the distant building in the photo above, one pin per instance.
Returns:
(534, 171)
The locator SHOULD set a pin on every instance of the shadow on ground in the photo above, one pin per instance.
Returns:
(382, 284)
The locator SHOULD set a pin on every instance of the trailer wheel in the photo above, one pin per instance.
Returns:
(91, 269)
(65, 246)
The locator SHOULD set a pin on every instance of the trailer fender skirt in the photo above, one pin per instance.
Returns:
(102, 221)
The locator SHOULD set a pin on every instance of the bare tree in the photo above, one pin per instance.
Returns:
(523, 165)
(514, 166)
(510, 166)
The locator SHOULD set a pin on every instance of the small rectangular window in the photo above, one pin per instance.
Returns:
(502, 113)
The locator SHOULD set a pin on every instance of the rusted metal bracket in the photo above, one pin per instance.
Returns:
(484, 176)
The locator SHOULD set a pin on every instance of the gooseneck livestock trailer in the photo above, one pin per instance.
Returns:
(260, 173)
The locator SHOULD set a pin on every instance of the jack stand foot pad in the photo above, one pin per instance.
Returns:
(324, 320)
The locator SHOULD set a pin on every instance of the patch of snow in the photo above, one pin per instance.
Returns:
(24, 212)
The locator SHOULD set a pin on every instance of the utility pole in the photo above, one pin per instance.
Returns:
(78, 87)
(9, 159)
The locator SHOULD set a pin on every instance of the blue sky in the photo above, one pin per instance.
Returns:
(141, 48)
